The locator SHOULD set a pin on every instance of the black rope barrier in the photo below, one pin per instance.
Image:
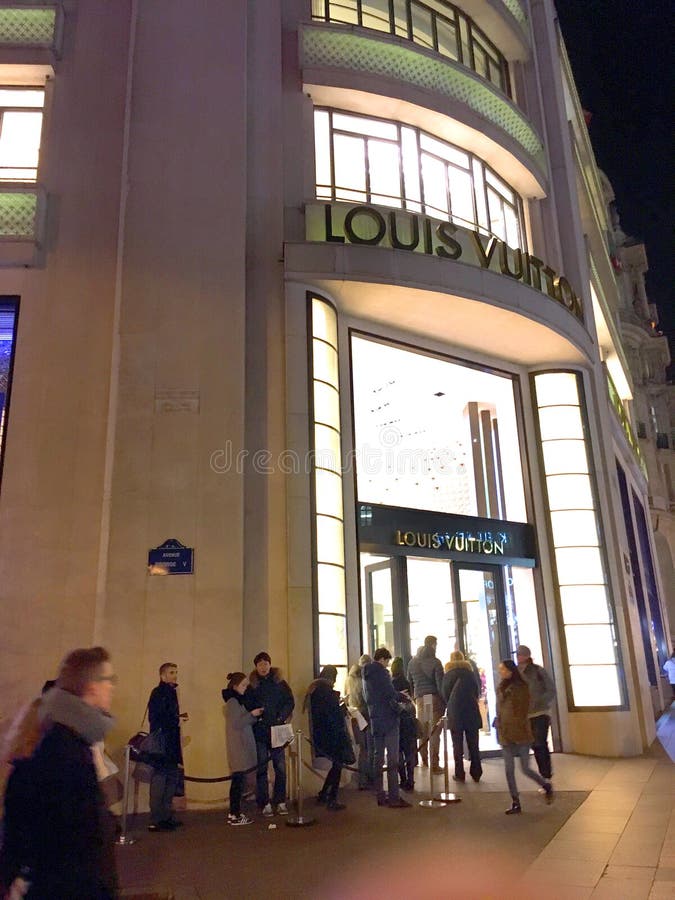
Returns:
(263, 766)
(257, 767)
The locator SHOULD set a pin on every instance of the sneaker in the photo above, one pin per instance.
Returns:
(399, 804)
(459, 777)
(548, 793)
(282, 809)
(267, 810)
(241, 819)
(177, 823)
(335, 805)
(161, 826)
(382, 800)
(514, 809)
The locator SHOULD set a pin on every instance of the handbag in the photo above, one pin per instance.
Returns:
(135, 742)
(147, 747)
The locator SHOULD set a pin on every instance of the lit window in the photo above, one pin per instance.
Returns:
(588, 625)
(331, 605)
(368, 160)
(20, 131)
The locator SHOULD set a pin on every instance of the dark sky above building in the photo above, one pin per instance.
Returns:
(622, 58)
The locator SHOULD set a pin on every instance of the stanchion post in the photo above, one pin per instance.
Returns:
(431, 803)
(298, 820)
(124, 838)
(447, 796)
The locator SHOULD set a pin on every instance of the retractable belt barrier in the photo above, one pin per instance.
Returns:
(318, 751)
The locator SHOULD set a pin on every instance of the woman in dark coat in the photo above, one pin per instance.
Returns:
(407, 728)
(514, 732)
(460, 692)
(329, 733)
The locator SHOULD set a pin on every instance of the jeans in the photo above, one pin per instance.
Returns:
(388, 741)
(364, 741)
(540, 726)
(163, 784)
(429, 718)
(475, 767)
(236, 790)
(510, 752)
(278, 759)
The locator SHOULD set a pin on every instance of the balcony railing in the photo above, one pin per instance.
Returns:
(662, 441)
(436, 25)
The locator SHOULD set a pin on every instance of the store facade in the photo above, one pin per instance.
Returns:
(331, 307)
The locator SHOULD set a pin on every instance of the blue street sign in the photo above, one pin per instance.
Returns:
(171, 558)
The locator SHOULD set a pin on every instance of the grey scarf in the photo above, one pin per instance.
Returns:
(62, 708)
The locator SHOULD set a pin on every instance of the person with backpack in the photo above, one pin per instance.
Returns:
(241, 751)
(59, 835)
(542, 695)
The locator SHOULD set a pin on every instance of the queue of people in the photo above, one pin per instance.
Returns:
(58, 830)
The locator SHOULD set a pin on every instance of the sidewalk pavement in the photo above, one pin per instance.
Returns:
(609, 834)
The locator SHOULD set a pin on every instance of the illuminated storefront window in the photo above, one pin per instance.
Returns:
(434, 24)
(389, 164)
(8, 315)
(590, 640)
(330, 593)
(434, 434)
(20, 131)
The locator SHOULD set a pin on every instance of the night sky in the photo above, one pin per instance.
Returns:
(621, 55)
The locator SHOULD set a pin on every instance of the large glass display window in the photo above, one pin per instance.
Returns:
(434, 434)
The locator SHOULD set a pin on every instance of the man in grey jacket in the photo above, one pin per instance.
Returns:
(542, 695)
(425, 674)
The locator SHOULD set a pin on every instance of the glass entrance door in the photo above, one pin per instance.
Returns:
(480, 595)
(379, 589)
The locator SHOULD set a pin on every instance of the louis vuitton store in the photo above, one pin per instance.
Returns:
(456, 494)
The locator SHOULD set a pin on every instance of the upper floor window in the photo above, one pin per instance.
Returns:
(434, 24)
(382, 162)
(21, 112)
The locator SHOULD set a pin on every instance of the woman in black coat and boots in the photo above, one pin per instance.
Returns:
(407, 742)
(329, 733)
(460, 692)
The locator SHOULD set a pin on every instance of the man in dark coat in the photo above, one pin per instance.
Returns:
(268, 690)
(165, 716)
(460, 692)
(68, 832)
(383, 705)
(425, 674)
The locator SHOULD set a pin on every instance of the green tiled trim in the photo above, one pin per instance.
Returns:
(27, 26)
(617, 405)
(18, 211)
(517, 12)
(342, 49)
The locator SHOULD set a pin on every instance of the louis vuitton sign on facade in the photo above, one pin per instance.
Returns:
(398, 229)
(395, 530)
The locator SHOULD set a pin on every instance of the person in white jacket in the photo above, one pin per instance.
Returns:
(669, 669)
